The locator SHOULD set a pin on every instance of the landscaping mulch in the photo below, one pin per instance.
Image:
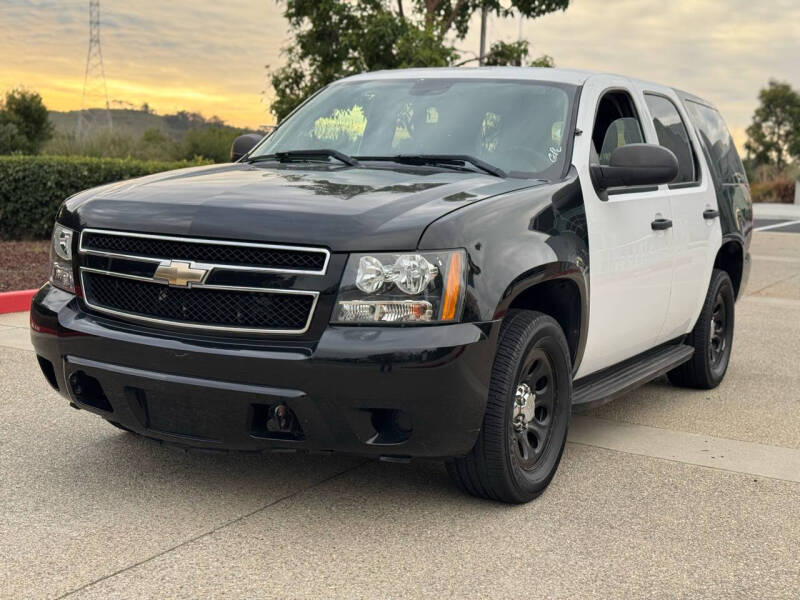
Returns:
(23, 265)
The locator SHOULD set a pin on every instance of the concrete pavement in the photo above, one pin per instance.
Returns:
(664, 493)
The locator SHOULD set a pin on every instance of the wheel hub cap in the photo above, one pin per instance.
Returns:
(524, 406)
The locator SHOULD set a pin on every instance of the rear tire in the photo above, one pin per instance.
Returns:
(527, 414)
(711, 338)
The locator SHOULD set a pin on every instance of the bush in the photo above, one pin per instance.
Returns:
(103, 143)
(778, 190)
(208, 143)
(213, 143)
(154, 144)
(33, 187)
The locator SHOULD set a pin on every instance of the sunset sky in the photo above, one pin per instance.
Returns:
(210, 56)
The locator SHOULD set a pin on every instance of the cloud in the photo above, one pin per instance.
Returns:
(209, 56)
(722, 51)
(202, 56)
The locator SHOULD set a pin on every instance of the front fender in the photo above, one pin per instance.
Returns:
(515, 241)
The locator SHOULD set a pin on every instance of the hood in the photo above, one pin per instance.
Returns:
(342, 208)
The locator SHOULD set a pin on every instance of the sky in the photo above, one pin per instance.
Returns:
(210, 56)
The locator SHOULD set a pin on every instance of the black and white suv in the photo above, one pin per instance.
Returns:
(430, 263)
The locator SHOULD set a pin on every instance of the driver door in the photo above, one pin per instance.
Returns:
(631, 263)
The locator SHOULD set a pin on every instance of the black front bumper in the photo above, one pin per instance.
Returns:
(381, 391)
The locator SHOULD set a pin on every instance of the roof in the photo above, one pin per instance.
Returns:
(571, 76)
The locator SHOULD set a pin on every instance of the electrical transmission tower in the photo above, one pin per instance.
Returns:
(95, 91)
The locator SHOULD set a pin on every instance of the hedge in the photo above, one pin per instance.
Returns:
(778, 190)
(33, 187)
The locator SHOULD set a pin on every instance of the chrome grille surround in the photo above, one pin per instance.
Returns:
(322, 252)
(210, 267)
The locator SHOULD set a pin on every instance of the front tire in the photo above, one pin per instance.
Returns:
(712, 338)
(527, 415)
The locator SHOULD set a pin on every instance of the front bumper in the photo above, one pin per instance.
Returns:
(380, 391)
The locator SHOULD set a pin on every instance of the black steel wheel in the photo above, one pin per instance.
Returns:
(712, 338)
(532, 417)
(718, 332)
(527, 413)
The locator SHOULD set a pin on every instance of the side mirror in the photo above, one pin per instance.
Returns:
(636, 164)
(243, 144)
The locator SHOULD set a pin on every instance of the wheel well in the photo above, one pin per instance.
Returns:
(559, 298)
(730, 259)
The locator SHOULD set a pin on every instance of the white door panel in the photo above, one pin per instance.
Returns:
(630, 272)
(696, 242)
(695, 239)
(630, 265)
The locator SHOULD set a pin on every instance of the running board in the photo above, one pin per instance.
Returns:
(603, 386)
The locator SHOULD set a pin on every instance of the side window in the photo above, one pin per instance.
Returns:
(672, 134)
(615, 125)
(714, 133)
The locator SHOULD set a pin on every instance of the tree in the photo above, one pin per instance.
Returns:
(453, 16)
(24, 121)
(515, 54)
(334, 39)
(11, 140)
(774, 135)
(337, 38)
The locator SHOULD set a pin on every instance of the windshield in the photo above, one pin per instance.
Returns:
(517, 126)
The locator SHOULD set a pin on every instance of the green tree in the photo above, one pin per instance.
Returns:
(11, 140)
(515, 54)
(453, 16)
(24, 121)
(337, 38)
(774, 135)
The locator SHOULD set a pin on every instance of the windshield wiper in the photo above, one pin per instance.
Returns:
(303, 155)
(441, 159)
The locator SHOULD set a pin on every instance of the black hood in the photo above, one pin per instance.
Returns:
(342, 208)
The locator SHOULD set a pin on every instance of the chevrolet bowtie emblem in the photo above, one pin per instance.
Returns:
(179, 273)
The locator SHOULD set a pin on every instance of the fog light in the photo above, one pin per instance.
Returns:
(61, 275)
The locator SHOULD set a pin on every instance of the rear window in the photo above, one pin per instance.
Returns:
(717, 139)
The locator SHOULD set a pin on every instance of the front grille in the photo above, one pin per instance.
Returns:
(199, 306)
(262, 256)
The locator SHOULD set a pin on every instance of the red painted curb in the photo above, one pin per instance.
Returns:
(16, 301)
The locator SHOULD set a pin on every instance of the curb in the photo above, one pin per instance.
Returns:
(767, 210)
(16, 301)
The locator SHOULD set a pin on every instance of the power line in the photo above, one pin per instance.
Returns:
(94, 80)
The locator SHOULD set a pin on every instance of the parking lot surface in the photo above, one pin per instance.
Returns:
(664, 493)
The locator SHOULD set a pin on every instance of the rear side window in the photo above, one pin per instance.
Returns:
(718, 141)
(672, 134)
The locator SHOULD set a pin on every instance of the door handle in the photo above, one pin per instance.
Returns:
(661, 224)
(710, 213)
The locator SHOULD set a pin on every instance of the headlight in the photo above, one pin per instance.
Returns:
(411, 287)
(61, 258)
